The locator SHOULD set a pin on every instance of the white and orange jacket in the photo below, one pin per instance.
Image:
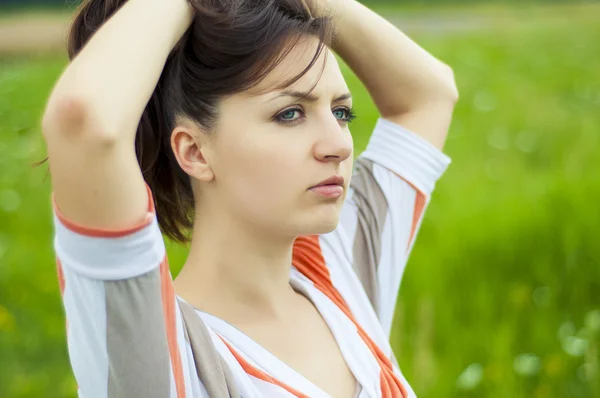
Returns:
(129, 335)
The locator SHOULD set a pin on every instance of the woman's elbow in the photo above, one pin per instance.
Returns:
(63, 115)
(447, 90)
(69, 119)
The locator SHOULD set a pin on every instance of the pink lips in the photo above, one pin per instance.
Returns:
(331, 188)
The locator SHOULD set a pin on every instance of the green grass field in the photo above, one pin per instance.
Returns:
(501, 297)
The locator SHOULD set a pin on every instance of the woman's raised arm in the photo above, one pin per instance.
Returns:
(94, 110)
(409, 86)
(394, 178)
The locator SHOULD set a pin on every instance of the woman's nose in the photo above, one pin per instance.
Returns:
(334, 142)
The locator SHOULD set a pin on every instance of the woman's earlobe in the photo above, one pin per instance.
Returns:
(202, 167)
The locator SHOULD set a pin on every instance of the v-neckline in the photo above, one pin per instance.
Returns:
(271, 364)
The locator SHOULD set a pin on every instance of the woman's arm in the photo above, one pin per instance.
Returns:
(94, 110)
(125, 332)
(395, 176)
(409, 86)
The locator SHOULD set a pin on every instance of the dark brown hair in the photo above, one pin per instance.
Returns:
(230, 47)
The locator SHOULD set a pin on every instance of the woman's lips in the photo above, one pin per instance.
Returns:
(329, 191)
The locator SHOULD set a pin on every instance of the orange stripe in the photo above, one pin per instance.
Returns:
(309, 260)
(61, 284)
(259, 374)
(168, 300)
(61, 277)
(106, 233)
(420, 202)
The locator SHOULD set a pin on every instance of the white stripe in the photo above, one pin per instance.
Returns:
(243, 382)
(394, 241)
(270, 390)
(172, 384)
(186, 365)
(346, 281)
(85, 305)
(196, 388)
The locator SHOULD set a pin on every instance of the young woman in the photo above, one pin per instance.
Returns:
(225, 123)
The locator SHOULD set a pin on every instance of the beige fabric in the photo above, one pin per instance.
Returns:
(134, 313)
(372, 209)
(211, 368)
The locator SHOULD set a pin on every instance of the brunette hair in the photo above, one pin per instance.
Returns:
(230, 47)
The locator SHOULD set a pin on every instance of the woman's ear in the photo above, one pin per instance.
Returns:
(188, 145)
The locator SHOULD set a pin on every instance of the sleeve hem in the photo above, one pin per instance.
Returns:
(407, 155)
(109, 254)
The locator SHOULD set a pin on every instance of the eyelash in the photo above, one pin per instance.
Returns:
(350, 115)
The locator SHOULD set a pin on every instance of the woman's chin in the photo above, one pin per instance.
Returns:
(320, 225)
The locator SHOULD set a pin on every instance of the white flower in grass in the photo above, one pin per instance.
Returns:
(574, 346)
(527, 364)
(470, 377)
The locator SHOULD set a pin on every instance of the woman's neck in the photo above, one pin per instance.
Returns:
(237, 272)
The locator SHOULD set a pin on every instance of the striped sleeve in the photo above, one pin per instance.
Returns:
(124, 330)
(390, 190)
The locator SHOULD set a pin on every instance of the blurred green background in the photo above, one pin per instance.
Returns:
(501, 297)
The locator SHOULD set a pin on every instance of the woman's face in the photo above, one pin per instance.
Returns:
(272, 147)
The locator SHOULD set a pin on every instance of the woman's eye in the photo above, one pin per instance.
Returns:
(345, 115)
(291, 115)
(340, 113)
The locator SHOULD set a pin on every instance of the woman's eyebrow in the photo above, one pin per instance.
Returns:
(306, 96)
(343, 97)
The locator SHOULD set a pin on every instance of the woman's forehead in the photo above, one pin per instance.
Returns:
(323, 76)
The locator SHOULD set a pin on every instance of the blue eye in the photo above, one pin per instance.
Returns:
(340, 113)
(290, 116)
(296, 115)
(344, 115)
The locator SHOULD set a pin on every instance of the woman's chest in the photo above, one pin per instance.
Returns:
(304, 343)
(316, 352)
